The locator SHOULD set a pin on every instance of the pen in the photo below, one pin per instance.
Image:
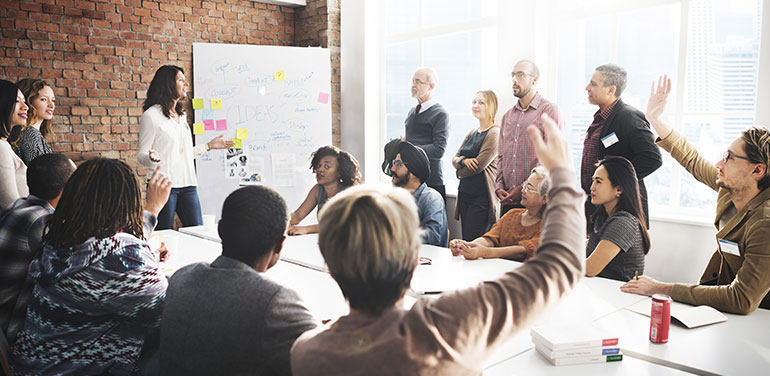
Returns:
(636, 275)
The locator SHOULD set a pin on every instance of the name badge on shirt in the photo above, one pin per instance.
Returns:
(610, 139)
(727, 246)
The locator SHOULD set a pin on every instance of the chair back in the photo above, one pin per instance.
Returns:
(5, 356)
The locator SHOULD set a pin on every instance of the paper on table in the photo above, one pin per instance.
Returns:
(691, 317)
(283, 170)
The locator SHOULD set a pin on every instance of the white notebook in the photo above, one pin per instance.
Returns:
(691, 317)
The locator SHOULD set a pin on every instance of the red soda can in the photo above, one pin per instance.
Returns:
(660, 318)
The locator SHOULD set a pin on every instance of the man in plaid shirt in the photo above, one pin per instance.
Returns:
(21, 233)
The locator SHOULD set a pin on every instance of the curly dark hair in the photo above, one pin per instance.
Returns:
(346, 164)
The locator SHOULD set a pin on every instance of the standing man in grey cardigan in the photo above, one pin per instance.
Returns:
(227, 318)
(427, 125)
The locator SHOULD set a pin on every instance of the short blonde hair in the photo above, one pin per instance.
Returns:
(370, 238)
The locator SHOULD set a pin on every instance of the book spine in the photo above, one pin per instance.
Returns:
(607, 342)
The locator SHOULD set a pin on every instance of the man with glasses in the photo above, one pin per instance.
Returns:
(410, 170)
(427, 125)
(737, 278)
(516, 155)
(617, 129)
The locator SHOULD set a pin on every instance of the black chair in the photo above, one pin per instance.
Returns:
(5, 355)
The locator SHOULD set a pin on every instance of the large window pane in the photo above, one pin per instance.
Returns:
(457, 59)
(402, 16)
(444, 12)
(401, 60)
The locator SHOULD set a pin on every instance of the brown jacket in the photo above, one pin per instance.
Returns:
(453, 334)
(487, 159)
(730, 283)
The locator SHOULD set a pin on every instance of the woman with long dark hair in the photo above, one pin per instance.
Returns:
(476, 162)
(165, 137)
(31, 139)
(13, 171)
(334, 170)
(98, 292)
(618, 241)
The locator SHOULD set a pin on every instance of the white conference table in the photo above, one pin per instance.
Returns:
(738, 346)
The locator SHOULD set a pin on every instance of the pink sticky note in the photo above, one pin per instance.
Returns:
(208, 125)
(222, 124)
(323, 97)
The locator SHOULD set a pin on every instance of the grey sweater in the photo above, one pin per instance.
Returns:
(225, 318)
(429, 130)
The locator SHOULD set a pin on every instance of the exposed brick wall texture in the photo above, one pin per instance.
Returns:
(101, 55)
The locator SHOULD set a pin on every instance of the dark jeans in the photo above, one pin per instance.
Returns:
(474, 214)
(184, 201)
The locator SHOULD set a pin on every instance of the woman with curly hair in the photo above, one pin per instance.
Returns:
(30, 140)
(334, 171)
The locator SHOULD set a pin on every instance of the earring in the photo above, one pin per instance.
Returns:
(617, 195)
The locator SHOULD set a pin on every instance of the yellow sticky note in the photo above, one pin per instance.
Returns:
(216, 104)
(197, 128)
(279, 75)
(242, 133)
(238, 143)
(197, 103)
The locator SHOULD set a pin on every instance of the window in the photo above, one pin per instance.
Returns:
(713, 66)
(451, 37)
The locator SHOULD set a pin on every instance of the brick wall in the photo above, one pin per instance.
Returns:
(101, 55)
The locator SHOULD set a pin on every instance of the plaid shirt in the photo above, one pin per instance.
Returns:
(516, 156)
(592, 147)
(21, 232)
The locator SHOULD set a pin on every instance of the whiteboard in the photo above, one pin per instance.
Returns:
(281, 97)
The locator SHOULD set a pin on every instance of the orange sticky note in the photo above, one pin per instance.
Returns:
(198, 128)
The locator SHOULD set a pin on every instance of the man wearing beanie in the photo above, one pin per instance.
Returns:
(410, 170)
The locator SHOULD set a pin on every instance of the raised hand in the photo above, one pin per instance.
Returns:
(158, 189)
(657, 104)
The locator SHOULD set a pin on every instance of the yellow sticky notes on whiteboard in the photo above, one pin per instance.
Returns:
(197, 103)
(279, 75)
(216, 104)
(242, 133)
(238, 143)
(198, 128)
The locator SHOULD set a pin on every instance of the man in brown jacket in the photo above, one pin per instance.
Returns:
(369, 238)
(737, 278)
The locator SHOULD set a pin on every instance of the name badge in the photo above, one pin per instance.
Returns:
(727, 246)
(610, 139)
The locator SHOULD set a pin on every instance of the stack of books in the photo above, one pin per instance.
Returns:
(564, 345)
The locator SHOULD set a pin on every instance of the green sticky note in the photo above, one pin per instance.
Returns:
(197, 103)
(279, 75)
(238, 143)
(242, 133)
(216, 104)
(198, 128)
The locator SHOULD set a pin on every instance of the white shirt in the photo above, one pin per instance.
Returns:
(173, 142)
(13, 176)
(427, 104)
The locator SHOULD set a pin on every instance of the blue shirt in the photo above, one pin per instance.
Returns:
(432, 212)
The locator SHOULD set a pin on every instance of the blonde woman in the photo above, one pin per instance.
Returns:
(476, 163)
(31, 139)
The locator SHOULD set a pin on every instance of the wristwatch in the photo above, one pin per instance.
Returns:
(208, 147)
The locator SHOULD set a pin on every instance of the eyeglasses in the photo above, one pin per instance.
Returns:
(397, 163)
(519, 75)
(728, 154)
(418, 82)
(526, 188)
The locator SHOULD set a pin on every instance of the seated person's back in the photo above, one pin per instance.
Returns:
(21, 236)
(227, 317)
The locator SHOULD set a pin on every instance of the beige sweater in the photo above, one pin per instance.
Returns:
(453, 334)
